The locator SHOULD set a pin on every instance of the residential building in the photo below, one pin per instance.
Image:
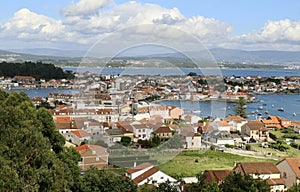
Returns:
(262, 170)
(254, 130)
(271, 122)
(92, 156)
(141, 131)
(217, 137)
(216, 175)
(148, 174)
(163, 132)
(77, 136)
(236, 123)
(290, 170)
(191, 139)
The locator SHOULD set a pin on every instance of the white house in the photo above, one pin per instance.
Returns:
(141, 131)
(146, 173)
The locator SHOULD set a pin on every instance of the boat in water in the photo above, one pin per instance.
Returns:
(280, 109)
(294, 114)
(267, 112)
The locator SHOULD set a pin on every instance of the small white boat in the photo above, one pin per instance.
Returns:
(196, 111)
(260, 107)
(294, 114)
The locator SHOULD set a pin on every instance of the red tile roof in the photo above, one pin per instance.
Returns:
(163, 129)
(258, 168)
(216, 175)
(63, 120)
(81, 133)
(145, 175)
(139, 167)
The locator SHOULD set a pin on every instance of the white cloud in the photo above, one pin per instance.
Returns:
(86, 22)
(85, 7)
(28, 25)
(275, 31)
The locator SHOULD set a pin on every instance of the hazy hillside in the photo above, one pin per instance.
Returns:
(229, 56)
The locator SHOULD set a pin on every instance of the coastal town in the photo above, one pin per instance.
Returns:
(109, 114)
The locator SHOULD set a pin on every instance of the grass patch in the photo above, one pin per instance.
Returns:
(291, 152)
(191, 163)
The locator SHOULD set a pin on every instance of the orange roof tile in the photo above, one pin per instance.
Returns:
(294, 164)
(216, 175)
(63, 120)
(81, 133)
(258, 168)
(145, 175)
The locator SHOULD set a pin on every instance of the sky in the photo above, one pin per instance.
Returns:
(78, 24)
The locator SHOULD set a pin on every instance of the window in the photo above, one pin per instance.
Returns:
(284, 175)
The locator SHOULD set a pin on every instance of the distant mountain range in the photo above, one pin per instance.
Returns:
(71, 57)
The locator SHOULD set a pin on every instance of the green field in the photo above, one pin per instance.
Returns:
(191, 163)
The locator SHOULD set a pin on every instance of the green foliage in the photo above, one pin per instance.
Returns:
(294, 188)
(248, 147)
(295, 145)
(104, 181)
(192, 74)
(240, 108)
(231, 183)
(272, 136)
(31, 154)
(152, 98)
(229, 146)
(126, 141)
(239, 183)
(37, 70)
(279, 145)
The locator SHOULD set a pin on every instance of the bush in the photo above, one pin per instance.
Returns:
(272, 136)
(248, 147)
(229, 146)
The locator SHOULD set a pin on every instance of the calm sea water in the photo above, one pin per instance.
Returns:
(44, 92)
(269, 103)
(264, 72)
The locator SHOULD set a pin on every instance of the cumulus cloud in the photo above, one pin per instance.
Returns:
(275, 31)
(85, 7)
(86, 22)
(28, 25)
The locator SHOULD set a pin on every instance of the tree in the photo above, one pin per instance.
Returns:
(29, 159)
(166, 186)
(240, 108)
(237, 183)
(125, 140)
(104, 181)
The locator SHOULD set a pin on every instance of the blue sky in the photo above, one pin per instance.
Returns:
(250, 21)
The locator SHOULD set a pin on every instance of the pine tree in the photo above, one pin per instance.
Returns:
(240, 108)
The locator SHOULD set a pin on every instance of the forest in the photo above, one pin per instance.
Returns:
(37, 70)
